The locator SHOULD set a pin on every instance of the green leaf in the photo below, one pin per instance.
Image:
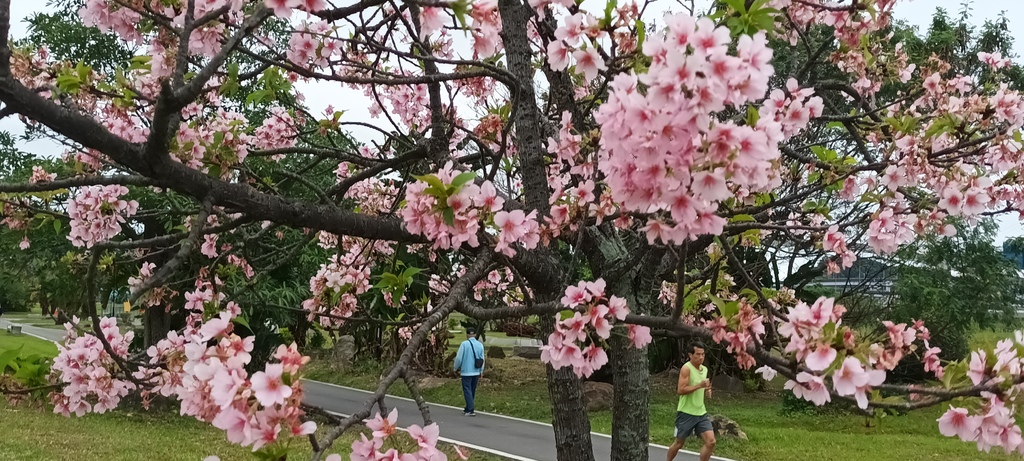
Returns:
(242, 321)
(462, 179)
(434, 182)
(742, 218)
(609, 7)
(752, 116)
(7, 357)
(140, 62)
(727, 308)
(83, 71)
(738, 5)
(689, 302)
(641, 33)
(449, 216)
(411, 272)
(68, 83)
(461, 8)
(57, 224)
(27, 371)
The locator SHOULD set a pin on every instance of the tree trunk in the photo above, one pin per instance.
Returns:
(156, 323)
(568, 411)
(631, 408)
(299, 333)
(104, 302)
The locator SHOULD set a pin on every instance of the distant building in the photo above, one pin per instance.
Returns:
(868, 276)
(1013, 255)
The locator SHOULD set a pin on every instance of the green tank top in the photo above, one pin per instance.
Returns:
(693, 403)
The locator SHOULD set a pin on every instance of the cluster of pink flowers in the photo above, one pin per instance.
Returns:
(580, 30)
(849, 24)
(336, 287)
(283, 8)
(422, 448)
(277, 131)
(374, 196)
(571, 202)
(219, 139)
(592, 312)
(663, 152)
(156, 295)
(993, 424)
(88, 372)
(890, 229)
(739, 332)
(805, 331)
(485, 29)
(816, 337)
(835, 242)
(97, 212)
(448, 209)
(499, 286)
(212, 385)
(425, 209)
(40, 175)
(108, 16)
(994, 60)
(516, 227)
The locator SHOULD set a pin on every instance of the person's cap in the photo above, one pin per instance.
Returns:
(470, 331)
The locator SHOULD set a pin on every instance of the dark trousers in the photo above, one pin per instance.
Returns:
(469, 392)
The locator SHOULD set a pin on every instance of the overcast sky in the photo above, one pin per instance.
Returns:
(915, 12)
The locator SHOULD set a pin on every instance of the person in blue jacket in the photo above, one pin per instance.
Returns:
(469, 361)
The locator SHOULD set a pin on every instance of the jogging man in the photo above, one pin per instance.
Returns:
(691, 416)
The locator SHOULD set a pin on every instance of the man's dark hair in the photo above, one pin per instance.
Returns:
(470, 331)
(696, 345)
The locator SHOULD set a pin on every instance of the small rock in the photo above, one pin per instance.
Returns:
(598, 395)
(432, 382)
(344, 351)
(518, 329)
(728, 383)
(526, 352)
(725, 427)
(495, 352)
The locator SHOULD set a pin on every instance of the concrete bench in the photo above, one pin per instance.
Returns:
(14, 329)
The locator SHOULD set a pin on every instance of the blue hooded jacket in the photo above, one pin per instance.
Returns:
(464, 359)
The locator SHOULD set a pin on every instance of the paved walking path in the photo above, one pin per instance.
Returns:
(513, 438)
(51, 334)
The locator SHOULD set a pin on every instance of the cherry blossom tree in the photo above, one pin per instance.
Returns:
(608, 167)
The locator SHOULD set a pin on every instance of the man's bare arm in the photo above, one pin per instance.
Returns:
(683, 387)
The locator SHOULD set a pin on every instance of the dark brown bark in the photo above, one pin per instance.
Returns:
(568, 411)
(630, 410)
(156, 324)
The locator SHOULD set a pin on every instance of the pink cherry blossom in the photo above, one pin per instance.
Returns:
(589, 62)
(957, 422)
(809, 387)
(268, 386)
(767, 372)
(640, 336)
(383, 427)
(431, 20)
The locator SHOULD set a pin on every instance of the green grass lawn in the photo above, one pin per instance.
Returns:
(33, 433)
(516, 387)
(29, 344)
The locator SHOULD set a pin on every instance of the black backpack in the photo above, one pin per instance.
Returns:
(478, 361)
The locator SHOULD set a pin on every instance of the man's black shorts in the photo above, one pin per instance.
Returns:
(687, 424)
